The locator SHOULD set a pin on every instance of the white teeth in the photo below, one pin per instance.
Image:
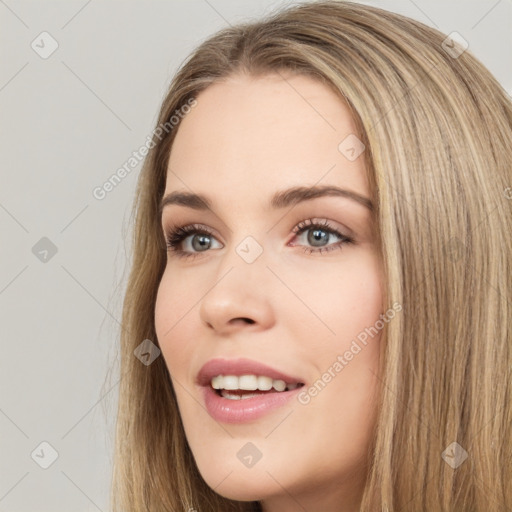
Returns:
(233, 396)
(248, 383)
(230, 382)
(264, 383)
(279, 385)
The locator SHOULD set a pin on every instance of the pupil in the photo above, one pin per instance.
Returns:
(203, 242)
(318, 235)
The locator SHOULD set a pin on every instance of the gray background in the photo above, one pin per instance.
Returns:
(68, 122)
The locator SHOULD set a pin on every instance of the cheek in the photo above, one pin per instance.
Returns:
(359, 298)
(346, 296)
(172, 309)
(348, 300)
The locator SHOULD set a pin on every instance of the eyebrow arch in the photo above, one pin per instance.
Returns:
(279, 200)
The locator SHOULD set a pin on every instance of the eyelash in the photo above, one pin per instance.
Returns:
(175, 236)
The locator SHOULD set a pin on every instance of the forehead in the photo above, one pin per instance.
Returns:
(256, 135)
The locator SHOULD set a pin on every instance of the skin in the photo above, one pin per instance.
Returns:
(246, 139)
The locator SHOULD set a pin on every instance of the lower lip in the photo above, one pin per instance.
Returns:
(246, 409)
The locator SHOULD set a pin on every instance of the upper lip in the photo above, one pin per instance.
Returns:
(239, 367)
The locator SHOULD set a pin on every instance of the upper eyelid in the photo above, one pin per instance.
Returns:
(307, 222)
(298, 228)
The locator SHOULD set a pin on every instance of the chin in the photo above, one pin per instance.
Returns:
(226, 475)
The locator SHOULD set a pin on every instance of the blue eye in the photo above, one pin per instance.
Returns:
(200, 238)
(321, 232)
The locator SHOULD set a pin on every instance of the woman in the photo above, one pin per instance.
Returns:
(294, 376)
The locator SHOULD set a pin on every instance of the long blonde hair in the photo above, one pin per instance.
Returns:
(437, 127)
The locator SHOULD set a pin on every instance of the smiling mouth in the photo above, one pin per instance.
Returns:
(233, 387)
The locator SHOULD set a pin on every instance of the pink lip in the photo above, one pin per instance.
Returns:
(248, 409)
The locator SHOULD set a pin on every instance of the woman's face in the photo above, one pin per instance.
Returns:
(268, 289)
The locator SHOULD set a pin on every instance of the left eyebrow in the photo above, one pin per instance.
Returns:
(279, 200)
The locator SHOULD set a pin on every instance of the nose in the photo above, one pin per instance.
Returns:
(240, 297)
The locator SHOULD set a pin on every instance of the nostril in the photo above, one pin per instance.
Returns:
(243, 319)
